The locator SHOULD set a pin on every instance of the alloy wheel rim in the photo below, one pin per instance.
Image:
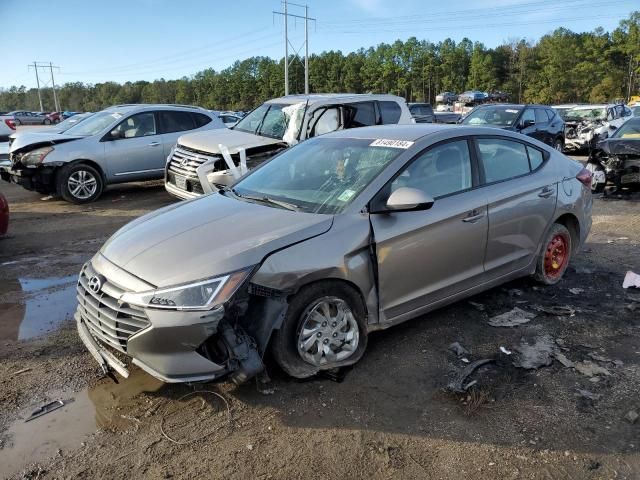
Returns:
(556, 256)
(328, 332)
(82, 184)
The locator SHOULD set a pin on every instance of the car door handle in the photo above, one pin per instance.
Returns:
(154, 144)
(473, 217)
(546, 192)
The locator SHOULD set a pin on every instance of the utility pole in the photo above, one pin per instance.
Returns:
(53, 85)
(35, 67)
(285, 13)
(50, 66)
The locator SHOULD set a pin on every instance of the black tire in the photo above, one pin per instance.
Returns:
(17, 122)
(75, 171)
(598, 188)
(558, 144)
(545, 271)
(47, 121)
(284, 341)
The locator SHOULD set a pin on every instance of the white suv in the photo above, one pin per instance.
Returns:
(202, 162)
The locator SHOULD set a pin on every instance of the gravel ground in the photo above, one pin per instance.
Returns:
(390, 417)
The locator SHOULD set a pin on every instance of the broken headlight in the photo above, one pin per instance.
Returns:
(35, 157)
(202, 295)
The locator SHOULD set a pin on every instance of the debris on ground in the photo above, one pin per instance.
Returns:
(576, 291)
(458, 349)
(563, 359)
(539, 354)
(24, 370)
(556, 310)
(457, 385)
(505, 351)
(614, 240)
(515, 292)
(631, 416)
(588, 395)
(44, 409)
(631, 279)
(590, 369)
(512, 318)
(478, 306)
(603, 359)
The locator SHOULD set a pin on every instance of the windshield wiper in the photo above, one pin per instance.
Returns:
(265, 199)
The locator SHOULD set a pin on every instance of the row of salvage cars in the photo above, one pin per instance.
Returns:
(303, 248)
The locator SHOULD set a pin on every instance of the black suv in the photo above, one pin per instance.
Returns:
(538, 121)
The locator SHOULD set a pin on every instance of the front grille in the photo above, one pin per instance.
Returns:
(108, 320)
(185, 161)
(192, 184)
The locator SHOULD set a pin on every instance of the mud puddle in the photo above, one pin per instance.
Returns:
(106, 405)
(33, 306)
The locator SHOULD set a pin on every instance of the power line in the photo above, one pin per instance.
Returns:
(50, 66)
(306, 19)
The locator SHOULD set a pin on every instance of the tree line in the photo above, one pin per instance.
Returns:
(561, 67)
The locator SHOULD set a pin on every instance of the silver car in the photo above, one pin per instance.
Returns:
(124, 143)
(344, 234)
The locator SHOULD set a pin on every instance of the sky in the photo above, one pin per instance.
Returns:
(119, 40)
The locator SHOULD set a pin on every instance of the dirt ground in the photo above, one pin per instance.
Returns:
(389, 418)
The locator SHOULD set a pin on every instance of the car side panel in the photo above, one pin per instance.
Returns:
(519, 214)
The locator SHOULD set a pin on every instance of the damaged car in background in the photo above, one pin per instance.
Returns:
(341, 235)
(125, 143)
(586, 125)
(203, 162)
(616, 159)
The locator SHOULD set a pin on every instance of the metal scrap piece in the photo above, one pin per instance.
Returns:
(537, 355)
(44, 409)
(512, 318)
(457, 384)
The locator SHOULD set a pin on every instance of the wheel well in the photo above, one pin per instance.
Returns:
(346, 283)
(91, 163)
(573, 225)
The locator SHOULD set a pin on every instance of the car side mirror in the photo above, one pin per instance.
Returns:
(407, 199)
(527, 123)
(114, 134)
(612, 127)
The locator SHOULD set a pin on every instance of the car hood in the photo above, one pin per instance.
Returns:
(28, 139)
(234, 140)
(206, 237)
(621, 146)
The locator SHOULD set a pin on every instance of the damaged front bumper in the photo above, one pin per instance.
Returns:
(173, 346)
(41, 179)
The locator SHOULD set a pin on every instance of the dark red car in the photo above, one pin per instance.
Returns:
(4, 214)
(53, 117)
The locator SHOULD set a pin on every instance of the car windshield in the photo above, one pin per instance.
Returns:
(629, 129)
(268, 120)
(562, 112)
(71, 121)
(596, 113)
(321, 175)
(502, 116)
(94, 124)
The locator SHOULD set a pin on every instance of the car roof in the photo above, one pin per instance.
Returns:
(333, 97)
(128, 107)
(513, 105)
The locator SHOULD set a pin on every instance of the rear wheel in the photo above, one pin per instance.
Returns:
(47, 121)
(554, 257)
(79, 183)
(324, 328)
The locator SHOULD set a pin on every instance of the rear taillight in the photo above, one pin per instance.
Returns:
(584, 176)
(10, 123)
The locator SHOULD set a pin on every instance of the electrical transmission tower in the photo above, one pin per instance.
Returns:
(285, 14)
(50, 66)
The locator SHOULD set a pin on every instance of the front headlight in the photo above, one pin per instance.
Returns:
(202, 295)
(35, 157)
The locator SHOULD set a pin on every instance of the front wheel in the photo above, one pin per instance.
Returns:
(554, 257)
(324, 328)
(47, 121)
(79, 183)
(558, 144)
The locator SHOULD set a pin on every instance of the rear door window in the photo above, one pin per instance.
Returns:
(176, 121)
(541, 116)
(536, 157)
(362, 114)
(200, 119)
(502, 159)
(528, 115)
(390, 112)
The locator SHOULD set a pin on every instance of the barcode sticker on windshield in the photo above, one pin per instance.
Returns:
(509, 110)
(383, 142)
(116, 115)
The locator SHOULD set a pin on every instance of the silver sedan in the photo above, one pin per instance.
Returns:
(344, 234)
